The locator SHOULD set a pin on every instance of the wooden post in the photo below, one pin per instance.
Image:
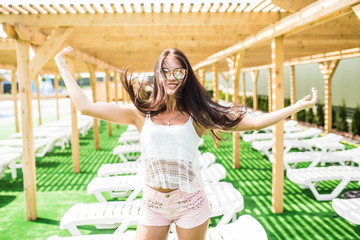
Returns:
(14, 95)
(202, 76)
(292, 90)
(107, 82)
(227, 79)
(75, 146)
(28, 155)
(235, 71)
(255, 77)
(244, 90)
(116, 91)
(270, 92)
(277, 47)
(216, 81)
(93, 88)
(328, 69)
(37, 80)
(56, 85)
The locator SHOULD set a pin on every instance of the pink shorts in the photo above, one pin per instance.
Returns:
(187, 210)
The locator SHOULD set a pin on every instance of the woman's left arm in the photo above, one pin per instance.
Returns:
(268, 119)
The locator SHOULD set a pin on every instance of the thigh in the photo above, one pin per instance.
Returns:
(144, 232)
(196, 233)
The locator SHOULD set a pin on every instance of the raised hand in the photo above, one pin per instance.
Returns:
(59, 58)
(305, 102)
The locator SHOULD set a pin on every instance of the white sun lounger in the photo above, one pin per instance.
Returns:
(224, 200)
(348, 209)
(62, 137)
(244, 228)
(341, 157)
(292, 159)
(329, 142)
(310, 177)
(127, 152)
(9, 160)
(113, 169)
(308, 133)
(122, 186)
(41, 146)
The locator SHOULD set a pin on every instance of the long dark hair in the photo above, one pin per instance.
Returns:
(191, 97)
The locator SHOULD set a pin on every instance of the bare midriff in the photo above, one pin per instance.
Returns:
(163, 190)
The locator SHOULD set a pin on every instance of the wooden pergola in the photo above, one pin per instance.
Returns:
(225, 37)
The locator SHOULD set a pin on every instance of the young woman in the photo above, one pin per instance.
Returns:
(171, 120)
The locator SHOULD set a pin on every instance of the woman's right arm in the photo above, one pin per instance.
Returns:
(107, 111)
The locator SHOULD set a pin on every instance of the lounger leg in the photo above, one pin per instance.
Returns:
(99, 197)
(134, 194)
(226, 218)
(74, 231)
(333, 194)
(123, 226)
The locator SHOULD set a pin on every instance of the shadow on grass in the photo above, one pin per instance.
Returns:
(48, 221)
(5, 200)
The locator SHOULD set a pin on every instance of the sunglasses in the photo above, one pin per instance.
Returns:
(179, 73)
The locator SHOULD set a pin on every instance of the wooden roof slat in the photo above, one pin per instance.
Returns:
(218, 7)
(48, 9)
(87, 8)
(154, 19)
(77, 8)
(3, 10)
(68, 8)
(321, 11)
(58, 8)
(19, 9)
(9, 9)
(261, 6)
(28, 9)
(38, 8)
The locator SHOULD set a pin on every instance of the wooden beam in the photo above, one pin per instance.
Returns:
(292, 90)
(56, 85)
(28, 153)
(37, 80)
(116, 75)
(243, 89)
(14, 95)
(93, 88)
(238, 60)
(87, 58)
(9, 30)
(216, 81)
(328, 69)
(227, 79)
(199, 19)
(201, 73)
(255, 77)
(7, 44)
(356, 10)
(48, 49)
(32, 36)
(107, 90)
(75, 146)
(278, 131)
(314, 14)
(270, 90)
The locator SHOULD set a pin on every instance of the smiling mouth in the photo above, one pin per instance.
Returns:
(172, 85)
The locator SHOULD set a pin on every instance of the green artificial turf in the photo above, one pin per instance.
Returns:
(58, 188)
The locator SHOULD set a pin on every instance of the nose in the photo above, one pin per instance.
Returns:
(171, 77)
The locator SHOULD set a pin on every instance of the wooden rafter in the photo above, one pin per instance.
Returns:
(47, 50)
(135, 19)
(319, 12)
(356, 10)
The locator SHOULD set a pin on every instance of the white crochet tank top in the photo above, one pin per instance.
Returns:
(169, 156)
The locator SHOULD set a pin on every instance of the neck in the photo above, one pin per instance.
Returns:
(171, 104)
